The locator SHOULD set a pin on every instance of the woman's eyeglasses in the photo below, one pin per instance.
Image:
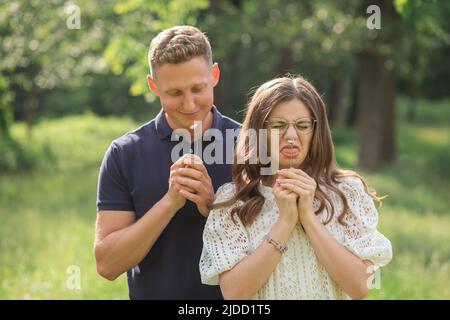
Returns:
(302, 126)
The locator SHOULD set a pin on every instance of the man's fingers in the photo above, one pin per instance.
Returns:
(194, 185)
(190, 196)
(178, 186)
(198, 166)
(186, 160)
(190, 176)
(174, 173)
(176, 166)
(191, 159)
(191, 173)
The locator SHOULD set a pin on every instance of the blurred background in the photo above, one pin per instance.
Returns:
(73, 78)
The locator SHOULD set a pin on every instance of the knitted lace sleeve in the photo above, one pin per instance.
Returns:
(360, 234)
(224, 242)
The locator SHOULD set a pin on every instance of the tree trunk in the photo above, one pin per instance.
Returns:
(376, 93)
(336, 102)
(31, 107)
(376, 96)
(6, 115)
(353, 112)
(285, 63)
(411, 114)
(5, 120)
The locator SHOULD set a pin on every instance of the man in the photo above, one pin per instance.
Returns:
(151, 211)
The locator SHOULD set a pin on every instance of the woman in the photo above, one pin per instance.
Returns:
(306, 232)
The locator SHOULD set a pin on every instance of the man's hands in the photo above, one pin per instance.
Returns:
(298, 182)
(190, 180)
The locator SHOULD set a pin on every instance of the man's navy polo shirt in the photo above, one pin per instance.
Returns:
(133, 177)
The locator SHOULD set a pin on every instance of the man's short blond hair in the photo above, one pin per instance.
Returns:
(178, 44)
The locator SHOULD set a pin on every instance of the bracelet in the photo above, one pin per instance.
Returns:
(278, 246)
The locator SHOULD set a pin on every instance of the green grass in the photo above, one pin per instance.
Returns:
(416, 214)
(47, 215)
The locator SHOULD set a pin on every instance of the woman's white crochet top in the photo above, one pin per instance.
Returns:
(298, 275)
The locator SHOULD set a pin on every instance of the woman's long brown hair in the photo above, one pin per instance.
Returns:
(319, 163)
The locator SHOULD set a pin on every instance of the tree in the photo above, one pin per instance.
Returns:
(401, 47)
(5, 109)
(425, 26)
(256, 41)
(137, 22)
(376, 92)
(39, 52)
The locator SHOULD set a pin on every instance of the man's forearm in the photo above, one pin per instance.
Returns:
(123, 249)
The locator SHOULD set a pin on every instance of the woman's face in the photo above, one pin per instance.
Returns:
(293, 124)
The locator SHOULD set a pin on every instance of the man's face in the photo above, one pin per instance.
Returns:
(185, 90)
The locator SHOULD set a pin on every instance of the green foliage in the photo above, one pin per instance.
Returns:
(54, 71)
(40, 53)
(5, 110)
(254, 43)
(138, 22)
(48, 213)
(107, 95)
(16, 157)
(423, 43)
(76, 143)
(47, 226)
(420, 267)
(415, 215)
(419, 180)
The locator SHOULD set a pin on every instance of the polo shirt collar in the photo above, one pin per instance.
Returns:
(164, 130)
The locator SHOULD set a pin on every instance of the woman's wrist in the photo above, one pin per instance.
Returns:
(308, 221)
(282, 229)
(286, 223)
